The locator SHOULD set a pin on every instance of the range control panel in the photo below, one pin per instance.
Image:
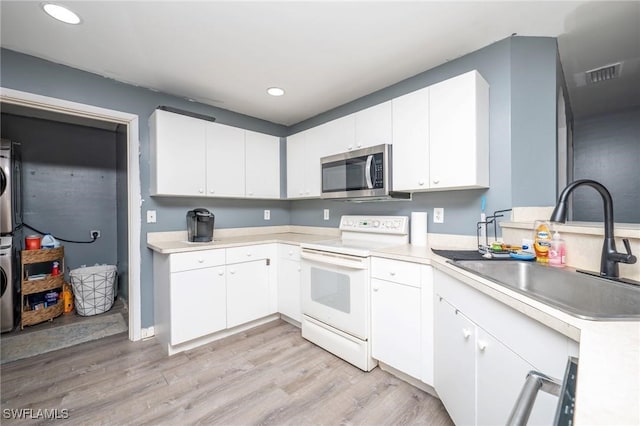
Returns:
(375, 224)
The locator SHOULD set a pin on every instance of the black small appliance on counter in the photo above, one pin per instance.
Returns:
(200, 225)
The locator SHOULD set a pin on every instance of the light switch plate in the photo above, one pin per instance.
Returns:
(326, 214)
(151, 216)
(438, 215)
(267, 215)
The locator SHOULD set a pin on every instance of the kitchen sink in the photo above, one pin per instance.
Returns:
(583, 296)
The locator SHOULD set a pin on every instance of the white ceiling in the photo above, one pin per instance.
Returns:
(324, 54)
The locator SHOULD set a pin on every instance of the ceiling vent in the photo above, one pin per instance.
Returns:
(608, 72)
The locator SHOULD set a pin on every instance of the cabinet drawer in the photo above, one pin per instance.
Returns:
(396, 271)
(248, 253)
(196, 260)
(288, 251)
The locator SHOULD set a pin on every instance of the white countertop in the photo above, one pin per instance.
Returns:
(176, 242)
(609, 361)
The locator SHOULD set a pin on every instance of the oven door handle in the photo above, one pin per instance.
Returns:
(334, 259)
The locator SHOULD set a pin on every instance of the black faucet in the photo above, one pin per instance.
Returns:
(610, 257)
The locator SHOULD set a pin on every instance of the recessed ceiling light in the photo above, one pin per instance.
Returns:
(275, 91)
(61, 13)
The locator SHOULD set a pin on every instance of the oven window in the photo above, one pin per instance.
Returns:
(331, 289)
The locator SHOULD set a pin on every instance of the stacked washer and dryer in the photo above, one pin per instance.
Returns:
(10, 236)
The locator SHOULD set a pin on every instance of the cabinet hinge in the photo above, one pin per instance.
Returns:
(268, 261)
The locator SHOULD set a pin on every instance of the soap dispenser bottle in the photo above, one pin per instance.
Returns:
(557, 251)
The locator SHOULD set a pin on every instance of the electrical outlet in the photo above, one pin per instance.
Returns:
(326, 214)
(151, 216)
(147, 333)
(438, 215)
(267, 215)
(94, 232)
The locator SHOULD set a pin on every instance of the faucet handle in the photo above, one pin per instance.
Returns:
(627, 246)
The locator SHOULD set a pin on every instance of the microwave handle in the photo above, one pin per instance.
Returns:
(367, 172)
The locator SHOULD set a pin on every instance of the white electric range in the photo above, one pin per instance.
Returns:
(336, 285)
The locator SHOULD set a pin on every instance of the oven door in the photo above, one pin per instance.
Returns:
(335, 290)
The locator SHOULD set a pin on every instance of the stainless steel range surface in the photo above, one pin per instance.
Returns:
(335, 285)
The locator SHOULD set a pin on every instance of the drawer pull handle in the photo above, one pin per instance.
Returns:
(376, 289)
(232, 272)
(200, 260)
(249, 254)
(482, 345)
(466, 333)
(392, 273)
(221, 273)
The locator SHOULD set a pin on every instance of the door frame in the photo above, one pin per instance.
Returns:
(134, 195)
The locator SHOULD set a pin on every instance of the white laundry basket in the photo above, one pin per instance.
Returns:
(94, 288)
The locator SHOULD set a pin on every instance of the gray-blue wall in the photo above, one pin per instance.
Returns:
(497, 63)
(606, 148)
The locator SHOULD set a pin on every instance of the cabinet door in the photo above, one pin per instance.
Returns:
(314, 150)
(395, 326)
(426, 292)
(455, 373)
(459, 132)
(198, 303)
(225, 161)
(289, 288)
(247, 292)
(411, 141)
(296, 165)
(500, 375)
(177, 154)
(262, 163)
(373, 125)
(336, 136)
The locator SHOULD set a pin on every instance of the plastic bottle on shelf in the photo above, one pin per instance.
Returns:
(67, 298)
(55, 269)
(557, 251)
(541, 240)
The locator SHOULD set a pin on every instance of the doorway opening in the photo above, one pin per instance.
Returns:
(88, 166)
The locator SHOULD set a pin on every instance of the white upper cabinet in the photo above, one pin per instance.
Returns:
(459, 132)
(373, 126)
(194, 157)
(336, 136)
(178, 166)
(296, 165)
(225, 161)
(262, 163)
(304, 151)
(410, 153)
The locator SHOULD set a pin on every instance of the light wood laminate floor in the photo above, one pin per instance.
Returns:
(267, 375)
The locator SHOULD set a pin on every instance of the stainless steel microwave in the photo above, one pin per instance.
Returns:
(359, 175)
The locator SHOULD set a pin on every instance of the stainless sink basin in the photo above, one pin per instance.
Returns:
(580, 295)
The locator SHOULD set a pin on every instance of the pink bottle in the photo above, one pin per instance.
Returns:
(557, 251)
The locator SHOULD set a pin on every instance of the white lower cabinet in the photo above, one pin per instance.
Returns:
(401, 317)
(199, 293)
(395, 325)
(247, 292)
(198, 303)
(289, 281)
(479, 375)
